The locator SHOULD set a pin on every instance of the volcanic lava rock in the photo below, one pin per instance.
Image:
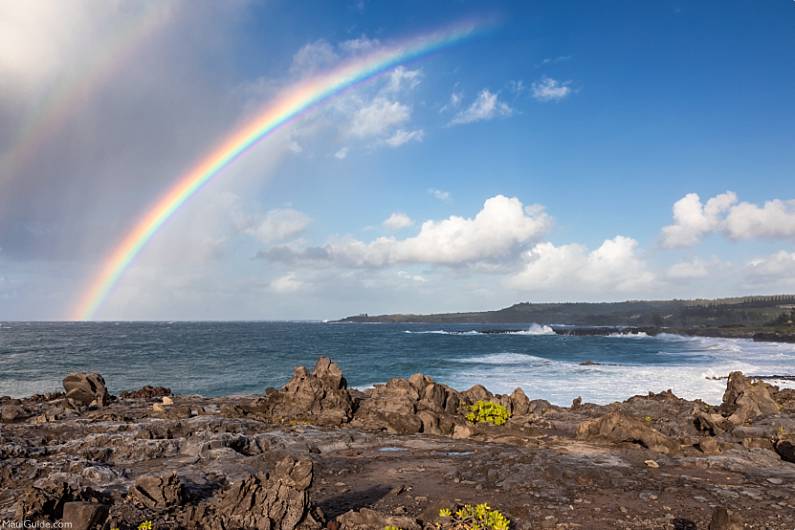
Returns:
(321, 397)
(620, 428)
(367, 519)
(12, 412)
(275, 501)
(408, 406)
(745, 400)
(158, 492)
(786, 450)
(725, 519)
(86, 389)
(42, 503)
(146, 392)
(78, 515)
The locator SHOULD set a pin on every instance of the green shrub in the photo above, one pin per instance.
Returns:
(488, 412)
(472, 517)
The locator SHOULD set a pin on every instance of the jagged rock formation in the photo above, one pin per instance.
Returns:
(316, 453)
(320, 397)
(746, 400)
(272, 501)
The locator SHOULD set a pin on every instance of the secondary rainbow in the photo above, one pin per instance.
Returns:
(71, 94)
(289, 105)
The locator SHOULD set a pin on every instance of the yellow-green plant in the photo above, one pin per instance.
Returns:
(392, 527)
(488, 412)
(472, 517)
(146, 525)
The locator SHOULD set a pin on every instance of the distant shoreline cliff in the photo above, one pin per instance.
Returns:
(768, 318)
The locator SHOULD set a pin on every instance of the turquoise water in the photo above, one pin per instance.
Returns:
(218, 358)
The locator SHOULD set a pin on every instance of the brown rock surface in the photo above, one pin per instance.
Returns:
(86, 388)
(146, 391)
(83, 515)
(619, 428)
(276, 500)
(159, 492)
(237, 462)
(408, 406)
(321, 397)
(746, 400)
(367, 519)
(725, 519)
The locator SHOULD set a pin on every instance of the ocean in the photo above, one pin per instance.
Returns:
(224, 358)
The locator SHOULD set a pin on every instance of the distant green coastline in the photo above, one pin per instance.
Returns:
(757, 317)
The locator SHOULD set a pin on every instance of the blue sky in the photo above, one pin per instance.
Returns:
(573, 128)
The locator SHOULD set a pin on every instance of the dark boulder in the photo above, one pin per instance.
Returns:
(786, 450)
(86, 389)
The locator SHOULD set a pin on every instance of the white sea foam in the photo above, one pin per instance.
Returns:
(504, 358)
(443, 332)
(534, 329)
(696, 376)
(628, 335)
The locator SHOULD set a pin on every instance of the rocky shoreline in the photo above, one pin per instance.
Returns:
(732, 332)
(316, 454)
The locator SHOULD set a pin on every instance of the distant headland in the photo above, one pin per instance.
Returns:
(766, 318)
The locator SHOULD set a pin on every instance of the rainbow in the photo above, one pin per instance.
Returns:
(60, 105)
(292, 103)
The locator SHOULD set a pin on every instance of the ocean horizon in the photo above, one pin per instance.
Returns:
(215, 358)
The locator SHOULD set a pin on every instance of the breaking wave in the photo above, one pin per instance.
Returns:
(534, 329)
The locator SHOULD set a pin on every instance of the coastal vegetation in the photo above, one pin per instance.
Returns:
(472, 517)
(488, 412)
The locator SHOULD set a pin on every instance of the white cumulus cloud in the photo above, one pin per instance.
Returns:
(398, 221)
(780, 265)
(722, 213)
(485, 107)
(614, 266)
(495, 232)
(692, 219)
(774, 219)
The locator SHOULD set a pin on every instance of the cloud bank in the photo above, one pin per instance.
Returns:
(693, 220)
